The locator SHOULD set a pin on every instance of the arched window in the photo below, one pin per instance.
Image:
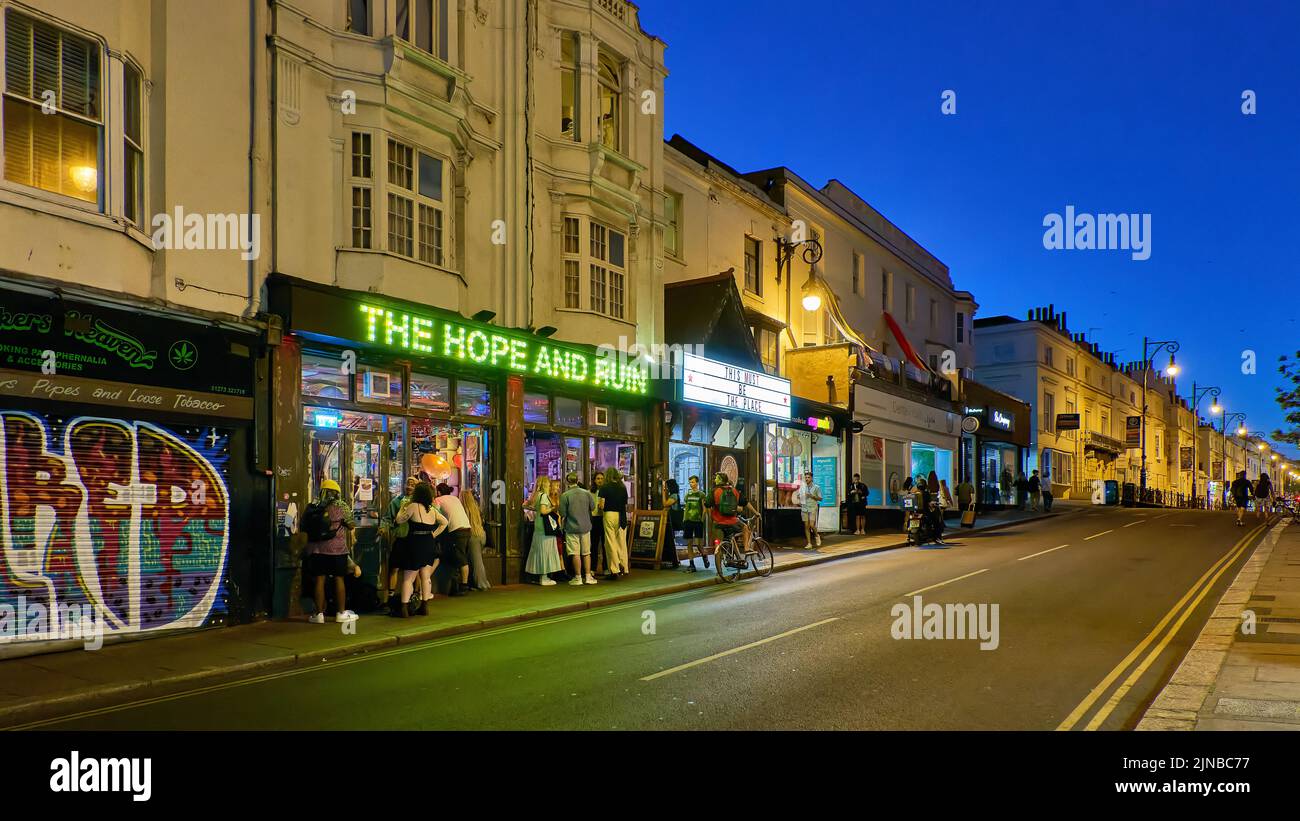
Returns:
(611, 103)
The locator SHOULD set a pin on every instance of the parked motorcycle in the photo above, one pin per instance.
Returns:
(921, 527)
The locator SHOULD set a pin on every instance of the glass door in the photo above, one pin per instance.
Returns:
(367, 491)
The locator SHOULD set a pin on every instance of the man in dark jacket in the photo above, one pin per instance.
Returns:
(1241, 490)
(1035, 489)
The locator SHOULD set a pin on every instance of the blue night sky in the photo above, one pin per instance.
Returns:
(1109, 107)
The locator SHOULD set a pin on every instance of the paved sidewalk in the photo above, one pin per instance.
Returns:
(1232, 679)
(34, 687)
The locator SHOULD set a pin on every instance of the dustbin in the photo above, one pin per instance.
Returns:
(1130, 494)
(1112, 492)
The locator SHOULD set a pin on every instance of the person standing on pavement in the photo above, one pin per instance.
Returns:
(543, 556)
(857, 498)
(671, 500)
(477, 541)
(421, 554)
(965, 494)
(1241, 491)
(1022, 491)
(693, 522)
(1034, 487)
(455, 541)
(396, 540)
(1263, 496)
(598, 528)
(328, 524)
(577, 506)
(612, 499)
(808, 497)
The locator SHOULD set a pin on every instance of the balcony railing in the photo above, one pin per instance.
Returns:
(1100, 441)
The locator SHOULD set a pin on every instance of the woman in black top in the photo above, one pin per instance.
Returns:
(613, 504)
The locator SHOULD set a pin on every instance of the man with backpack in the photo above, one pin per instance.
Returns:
(328, 523)
(724, 506)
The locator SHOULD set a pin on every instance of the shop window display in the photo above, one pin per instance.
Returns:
(449, 452)
(895, 470)
(997, 485)
(606, 453)
(473, 399)
(926, 458)
(323, 376)
(568, 412)
(537, 408)
(431, 392)
(553, 455)
(871, 466)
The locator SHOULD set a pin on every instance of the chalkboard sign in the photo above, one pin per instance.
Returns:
(646, 536)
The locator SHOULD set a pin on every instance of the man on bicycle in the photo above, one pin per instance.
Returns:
(724, 506)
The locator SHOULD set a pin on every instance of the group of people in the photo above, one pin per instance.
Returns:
(591, 526)
(1243, 490)
(423, 528)
(687, 511)
(426, 527)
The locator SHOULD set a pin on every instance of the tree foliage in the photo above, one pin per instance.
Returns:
(1289, 399)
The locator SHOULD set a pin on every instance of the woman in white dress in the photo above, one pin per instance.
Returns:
(543, 555)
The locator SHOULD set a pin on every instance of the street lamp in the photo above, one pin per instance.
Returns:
(812, 254)
(1228, 419)
(1197, 395)
(1147, 357)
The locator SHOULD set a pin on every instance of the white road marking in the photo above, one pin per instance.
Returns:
(941, 584)
(735, 650)
(1041, 552)
(1095, 535)
(1161, 517)
(1130, 524)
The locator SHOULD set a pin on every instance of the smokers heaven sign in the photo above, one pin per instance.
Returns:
(61, 337)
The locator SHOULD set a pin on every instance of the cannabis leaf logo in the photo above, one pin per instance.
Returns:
(183, 355)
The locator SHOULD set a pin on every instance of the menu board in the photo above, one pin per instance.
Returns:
(646, 539)
(825, 475)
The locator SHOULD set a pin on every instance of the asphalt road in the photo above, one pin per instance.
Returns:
(804, 649)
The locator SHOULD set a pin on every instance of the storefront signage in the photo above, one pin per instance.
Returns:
(53, 336)
(469, 343)
(1001, 420)
(709, 382)
(1133, 431)
(1067, 421)
(822, 424)
(123, 395)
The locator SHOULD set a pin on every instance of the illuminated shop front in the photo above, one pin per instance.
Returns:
(717, 424)
(133, 502)
(900, 438)
(995, 436)
(391, 390)
(812, 441)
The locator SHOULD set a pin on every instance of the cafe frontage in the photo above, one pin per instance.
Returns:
(371, 390)
(135, 491)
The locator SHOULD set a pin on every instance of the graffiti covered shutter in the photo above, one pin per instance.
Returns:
(123, 522)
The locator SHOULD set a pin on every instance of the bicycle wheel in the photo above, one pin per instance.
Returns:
(726, 557)
(762, 558)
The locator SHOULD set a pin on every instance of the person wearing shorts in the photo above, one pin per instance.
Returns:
(577, 506)
(809, 496)
(693, 522)
(1241, 491)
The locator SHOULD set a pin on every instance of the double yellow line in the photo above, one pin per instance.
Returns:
(1186, 606)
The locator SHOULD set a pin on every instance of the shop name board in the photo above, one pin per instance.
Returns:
(994, 417)
(709, 382)
(122, 395)
(51, 335)
(1067, 421)
(427, 336)
(998, 419)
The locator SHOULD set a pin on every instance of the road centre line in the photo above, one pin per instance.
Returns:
(941, 584)
(1130, 524)
(1095, 535)
(735, 650)
(1084, 706)
(1041, 552)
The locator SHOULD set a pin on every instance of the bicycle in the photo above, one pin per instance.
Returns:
(732, 556)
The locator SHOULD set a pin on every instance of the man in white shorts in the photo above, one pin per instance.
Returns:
(577, 506)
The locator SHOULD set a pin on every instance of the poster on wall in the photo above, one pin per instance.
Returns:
(826, 476)
(1133, 432)
(872, 468)
(112, 526)
(1185, 458)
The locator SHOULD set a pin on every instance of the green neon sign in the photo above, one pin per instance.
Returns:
(427, 336)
